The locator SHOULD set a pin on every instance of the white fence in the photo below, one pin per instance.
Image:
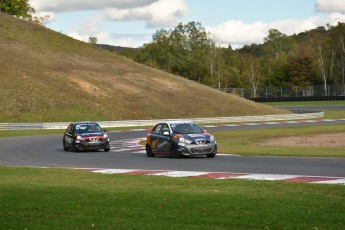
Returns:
(142, 123)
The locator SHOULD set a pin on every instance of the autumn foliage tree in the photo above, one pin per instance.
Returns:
(18, 8)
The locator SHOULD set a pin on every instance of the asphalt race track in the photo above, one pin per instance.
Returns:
(46, 151)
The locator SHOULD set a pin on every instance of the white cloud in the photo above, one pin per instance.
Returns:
(162, 13)
(116, 40)
(330, 5)
(155, 13)
(92, 27)
(80, 5)
(238, 33)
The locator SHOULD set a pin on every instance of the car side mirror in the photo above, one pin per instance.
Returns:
(166, 133)
(104, 130)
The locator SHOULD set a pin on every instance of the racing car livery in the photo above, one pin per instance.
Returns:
(180, 138)
(85, 136)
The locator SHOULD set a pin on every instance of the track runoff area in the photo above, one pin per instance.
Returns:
(133, 146)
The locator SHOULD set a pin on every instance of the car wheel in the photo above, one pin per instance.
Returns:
(149, 151)
(75, 148)
(107, 149)
(211, 155)
(173, 152)
(65, 148)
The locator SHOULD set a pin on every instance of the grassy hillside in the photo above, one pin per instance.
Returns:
(47, 76)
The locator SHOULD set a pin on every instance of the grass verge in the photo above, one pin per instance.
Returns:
(246, 142)
(74, 199)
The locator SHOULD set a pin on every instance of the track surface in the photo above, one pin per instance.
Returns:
(46, 151)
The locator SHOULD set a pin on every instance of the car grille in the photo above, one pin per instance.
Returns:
(93, 139)
(201, 150)
(200, 142)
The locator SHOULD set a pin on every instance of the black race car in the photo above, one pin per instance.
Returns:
(85, 136)
(180, 139)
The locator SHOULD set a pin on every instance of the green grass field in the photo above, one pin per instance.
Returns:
(246, 142)
(74, 199)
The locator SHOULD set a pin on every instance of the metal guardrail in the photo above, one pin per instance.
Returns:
(141, 123)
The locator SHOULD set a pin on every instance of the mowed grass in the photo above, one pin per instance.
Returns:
(329, 114)
(247, 142)
(34, 198)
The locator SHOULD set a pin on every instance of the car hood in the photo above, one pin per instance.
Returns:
(198, 137)
(91, 134)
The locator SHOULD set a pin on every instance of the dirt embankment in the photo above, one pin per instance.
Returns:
(322, 140)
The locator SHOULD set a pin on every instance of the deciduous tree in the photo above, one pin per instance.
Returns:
(18, 8)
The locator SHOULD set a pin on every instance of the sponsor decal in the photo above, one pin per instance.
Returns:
(162, 144)
(196, 135)
(155, 143)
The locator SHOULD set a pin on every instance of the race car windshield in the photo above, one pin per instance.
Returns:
(88, 128)
(186, 128)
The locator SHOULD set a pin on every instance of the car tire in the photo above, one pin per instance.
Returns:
(149, 151)
(75, 148)
(65, 148)
(173, 152)
(211, 155)
(107, 149)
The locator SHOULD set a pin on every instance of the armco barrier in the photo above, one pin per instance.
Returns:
(141, 123)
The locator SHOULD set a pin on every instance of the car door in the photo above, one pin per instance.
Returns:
(164, 140)
(69, 135)
(154, 138)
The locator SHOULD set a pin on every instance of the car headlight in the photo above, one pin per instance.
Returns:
(80, 138)
(212, 138)
(105, 136)
(184, 140)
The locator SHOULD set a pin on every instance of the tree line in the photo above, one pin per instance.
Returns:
(314, 57)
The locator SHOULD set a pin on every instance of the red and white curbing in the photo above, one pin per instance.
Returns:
(226, 175)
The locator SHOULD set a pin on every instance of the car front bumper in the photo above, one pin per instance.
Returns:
(95, 145)
(188, 150)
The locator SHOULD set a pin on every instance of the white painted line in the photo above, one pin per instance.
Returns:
(266, 177)
(228, 155)
(142, 151)
(292, 122)
(119, 150)
(114, 171)
(180, 174)
(337, 181)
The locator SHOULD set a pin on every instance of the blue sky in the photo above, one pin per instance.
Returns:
(132, 23)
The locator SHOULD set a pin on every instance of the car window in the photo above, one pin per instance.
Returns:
(88, 128)
(186, 128)
(157, 129)
(70, 128)
(165, 128)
